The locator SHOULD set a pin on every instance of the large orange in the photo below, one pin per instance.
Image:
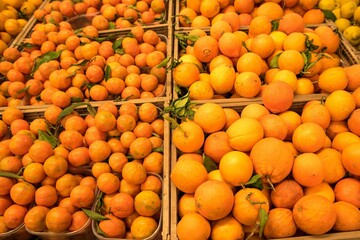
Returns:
(353, 122)
(186, 204)
(222, 78)
(214, 199)
(316, 113)
(272, 158)
(274, 126)
(314, 214)
(122, 205)
(210, 117)
(323, 189)
(206, 48)
(309, 137)
(348, 190)
(333, 79)
(227, 228)
(217, 145)
(286, 193)
(277, 96)
(280, 224)
(244, 133)
(236, 160)
(186, 74)
(291, 22)
(247, 204)
(35, 218)
(230, 45)
(333, 167)
(308, 169)
(188, 137)
(350, 158)
(187, 175)
(340, 104)
(344, 139)
(58, 219)
(347, 217)
(194, 223)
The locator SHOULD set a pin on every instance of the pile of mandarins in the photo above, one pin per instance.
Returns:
(51, 173)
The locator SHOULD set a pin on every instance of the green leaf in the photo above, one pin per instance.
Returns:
(275, 24)
(107, 74)
(70, 109)
(44, 58)
(117, 43)
(27, 45)
(158, 149)
(23, 90)
(76, 99)
(329, 15)
(255, 182)
(91, 109)
(120, 51)
(209, 164)
(94, 215)
(164, 63)
(112, 25)
(44, 136)
(9, 175)
(81, 63)
(263, 218)
(274, 61)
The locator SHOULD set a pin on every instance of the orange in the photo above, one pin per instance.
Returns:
(140, 147)
(347, 217)
(344, 139)
(220, 27)
(108, 183)
(353, 122)
(349, 157)
(14, 216)
(227, 228)
(330, 40)
(217, 145)
(65, 184)
(333, 79)
(183, 177)
(350, 72)
(147, 203)
(309, 137)
(82, 196)
(186, 74)
(105, 121)
(286, 194)
(195, 223)
(322, 189)
(314, 214)
(340, 105)
(271, 10)
(143, 227)
(210, 117)
(40, 151)
(186, 204)
(35, 218)
(250, 62)
(272, 159)
(230, 45)
(34, 173)
(308, 169)
(188, 137)
(263, 45)
(46, 196)
(134, 172)
(333, 167)
(113, 226)
(206, 48)
(55, 166)
(316, 113)
(278, 218)
(291, 60)
(222, 79)
(11, 164)
(99, 150)
(291, 22)
(274, 126)
(259, 25)
(20, 144)
(277, 96)
(122, 205)
(255, 111)
(78, 220)
(348, 190)
(22, 193)
(247, 203)
(58, 219)
(234, 160)
(214, 199)
(244, 133)
(247, 84)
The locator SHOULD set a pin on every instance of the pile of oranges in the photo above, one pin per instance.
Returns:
(227, 62)
(105, 15)
(82, 66)
(49, 172)
(252, 170)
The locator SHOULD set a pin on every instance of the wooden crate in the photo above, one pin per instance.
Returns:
(297, 106)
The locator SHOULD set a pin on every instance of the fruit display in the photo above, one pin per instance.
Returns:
(204, 13)
(158, 119)
(226, 62)
(105, 15)
(44, 159)
(83, 65)
(14, 16)
(247, 170)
